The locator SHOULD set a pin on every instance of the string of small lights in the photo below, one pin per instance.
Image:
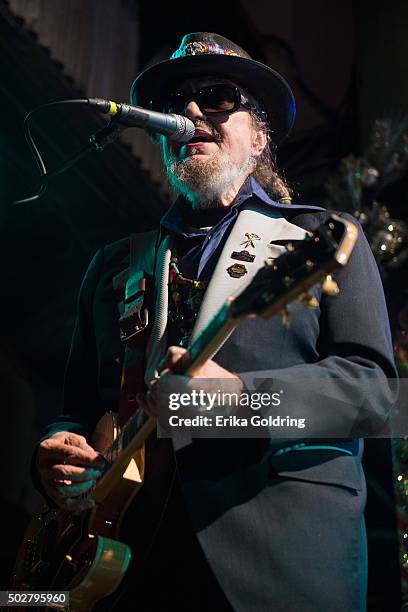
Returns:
(357, 187)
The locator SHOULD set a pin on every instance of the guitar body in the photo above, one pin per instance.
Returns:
(81, 553)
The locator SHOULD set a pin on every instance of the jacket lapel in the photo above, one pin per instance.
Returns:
(264, 227)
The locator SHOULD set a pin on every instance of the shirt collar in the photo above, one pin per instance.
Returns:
(179, 219)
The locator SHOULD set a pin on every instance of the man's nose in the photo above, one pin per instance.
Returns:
(193, 111)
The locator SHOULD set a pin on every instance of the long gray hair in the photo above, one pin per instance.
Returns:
(266, 172)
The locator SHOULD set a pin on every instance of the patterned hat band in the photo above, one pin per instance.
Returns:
(202, 48)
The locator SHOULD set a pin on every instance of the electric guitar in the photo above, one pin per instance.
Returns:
(83, 553)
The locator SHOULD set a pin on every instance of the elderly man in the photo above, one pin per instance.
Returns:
(247, 524)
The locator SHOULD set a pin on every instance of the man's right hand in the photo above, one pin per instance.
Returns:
(68, 468)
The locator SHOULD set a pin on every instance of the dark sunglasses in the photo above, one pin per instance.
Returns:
(215, 99)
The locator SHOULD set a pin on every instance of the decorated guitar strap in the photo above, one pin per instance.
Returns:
(134, 319)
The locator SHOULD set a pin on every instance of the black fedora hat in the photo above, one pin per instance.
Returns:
(208, 54)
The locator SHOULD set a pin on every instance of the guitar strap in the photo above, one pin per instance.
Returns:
(133, 322)
(134, 319)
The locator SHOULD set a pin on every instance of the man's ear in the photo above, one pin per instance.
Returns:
(259, 142)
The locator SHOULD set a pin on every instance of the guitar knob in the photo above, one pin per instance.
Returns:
(284, 313)
(308, 300)
(270, 263)
(329, 286)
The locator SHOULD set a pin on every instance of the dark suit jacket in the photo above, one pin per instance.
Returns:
(280, 531)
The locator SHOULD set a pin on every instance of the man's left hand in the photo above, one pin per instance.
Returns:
(211, 377)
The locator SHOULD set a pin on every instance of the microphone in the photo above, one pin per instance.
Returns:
(174, 126)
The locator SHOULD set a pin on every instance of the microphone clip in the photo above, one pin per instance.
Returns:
(111, 132)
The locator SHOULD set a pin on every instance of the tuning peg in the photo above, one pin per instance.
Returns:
(308, 300)
(329, 286)
(270, 263)
(284, 313)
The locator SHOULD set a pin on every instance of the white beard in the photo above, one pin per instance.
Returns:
(204, 183)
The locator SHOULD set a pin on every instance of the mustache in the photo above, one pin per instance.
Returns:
(200, 124)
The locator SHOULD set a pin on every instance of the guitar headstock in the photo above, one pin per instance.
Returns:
(302, 265)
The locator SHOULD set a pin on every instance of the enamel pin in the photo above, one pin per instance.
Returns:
(242, 256)
(250, 238)
(237, 270)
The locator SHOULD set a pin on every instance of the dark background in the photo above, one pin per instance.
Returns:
(347, 65)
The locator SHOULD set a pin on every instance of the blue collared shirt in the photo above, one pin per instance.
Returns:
(200, 245)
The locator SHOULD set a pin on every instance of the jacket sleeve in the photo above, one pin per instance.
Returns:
(80, 384)
(80, 396)
(351, 388)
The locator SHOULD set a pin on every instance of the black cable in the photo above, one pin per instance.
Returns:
(33, 197)
(27, 131)
(98, 141)
(49, 175)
